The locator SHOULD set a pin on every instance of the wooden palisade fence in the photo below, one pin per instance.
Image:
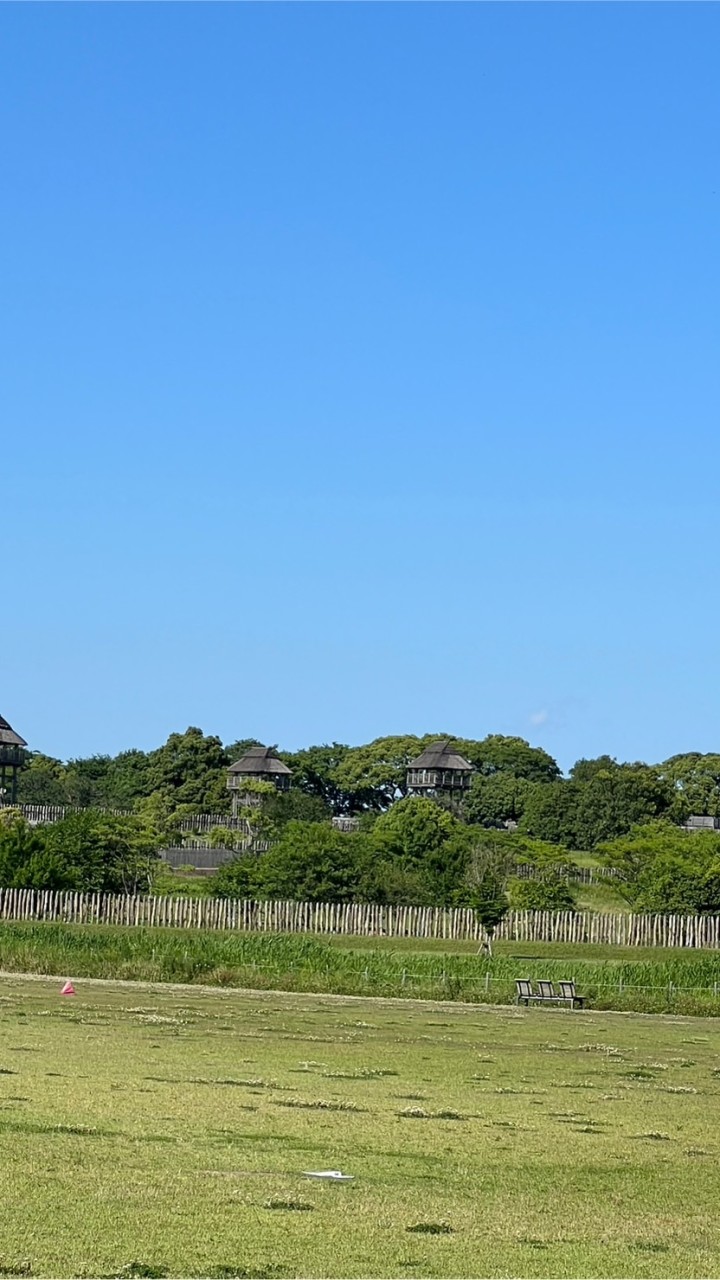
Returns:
(358, 919)
(42, 814)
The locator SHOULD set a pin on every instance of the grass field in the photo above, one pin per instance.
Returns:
(164, 1131)
(600, 898)
(644, 979)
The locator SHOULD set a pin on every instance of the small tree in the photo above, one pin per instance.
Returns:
(490, 865)
(239, 878)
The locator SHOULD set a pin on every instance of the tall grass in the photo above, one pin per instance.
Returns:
(687, 982)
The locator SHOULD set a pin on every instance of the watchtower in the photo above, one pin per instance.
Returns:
(438, 771)
(12, 756)
(261, 764)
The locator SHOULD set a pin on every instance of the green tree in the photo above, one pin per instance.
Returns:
(86, 781)
(585, 770)
(664, 869)
(287, 806)
(128, 780)
(494, 799)
(312, 862)
(617, 799)
(315, 774)
(550, 812)
(42, 780)
(375, 775)
(22, 855)
(191, 769)
(695, 779)
(582, 814)
(428, 843)
(240, 878)
(162, 817)
(391, 883)
(508, 755)
(490, 865)
(100, 851)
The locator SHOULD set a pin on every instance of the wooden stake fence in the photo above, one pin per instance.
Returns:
(42, 814)
(358, 919)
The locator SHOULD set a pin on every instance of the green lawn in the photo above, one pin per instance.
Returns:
(166, 1131)
(602, 898)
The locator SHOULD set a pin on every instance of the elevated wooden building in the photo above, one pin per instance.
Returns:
(12, 755)
(262, 765)
(439, 770)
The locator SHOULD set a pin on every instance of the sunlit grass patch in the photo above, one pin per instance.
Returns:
(419, 1113)
(364, 1073)
(318, 1104)
(100, 1177)
(290, 1206)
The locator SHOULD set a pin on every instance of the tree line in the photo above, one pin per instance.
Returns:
(407, 849)
(513, 783)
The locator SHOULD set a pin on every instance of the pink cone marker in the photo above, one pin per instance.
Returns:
(68, 989)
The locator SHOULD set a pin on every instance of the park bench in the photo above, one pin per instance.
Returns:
(546, 993)
(570, 995)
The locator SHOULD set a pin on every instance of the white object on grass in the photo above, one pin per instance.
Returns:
(332, 1175)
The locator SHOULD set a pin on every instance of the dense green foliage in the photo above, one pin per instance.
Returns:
(550, 893)
(190, 772)
(416, 853)
(89, 851)
(513, 782)
(407, 849)
(663, 868)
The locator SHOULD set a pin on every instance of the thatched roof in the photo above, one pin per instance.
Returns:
(8, 736)
(439, 755)
(259, 760)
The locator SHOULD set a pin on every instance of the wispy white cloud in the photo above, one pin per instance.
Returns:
(539, 717)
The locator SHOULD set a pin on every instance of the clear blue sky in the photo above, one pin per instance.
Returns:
(359, 373)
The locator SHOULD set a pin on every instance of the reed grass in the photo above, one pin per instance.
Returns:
(669, 982)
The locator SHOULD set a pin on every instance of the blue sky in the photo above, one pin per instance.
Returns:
(359, 375)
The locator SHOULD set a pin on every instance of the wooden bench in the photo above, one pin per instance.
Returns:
(546, 993)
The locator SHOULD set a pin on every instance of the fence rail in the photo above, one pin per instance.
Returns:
(200, 822)
(358, 919)
(200, 857)
(578, 875)
(41, 814)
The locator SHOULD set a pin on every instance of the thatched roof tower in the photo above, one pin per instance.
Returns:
(438, 771)
(12, 755)
(263, 765)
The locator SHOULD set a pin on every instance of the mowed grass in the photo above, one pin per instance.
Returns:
(165, 1131)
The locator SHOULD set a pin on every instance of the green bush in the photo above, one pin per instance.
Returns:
(546, 894)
